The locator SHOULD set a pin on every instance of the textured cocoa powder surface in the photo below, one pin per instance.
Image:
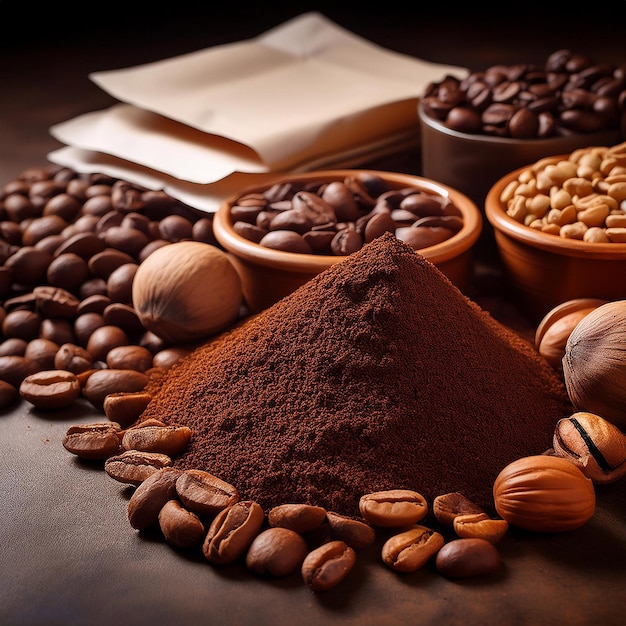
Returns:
(377, 374)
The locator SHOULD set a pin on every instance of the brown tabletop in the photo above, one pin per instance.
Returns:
(68, 555)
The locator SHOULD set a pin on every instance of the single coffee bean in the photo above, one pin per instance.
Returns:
(462, 558)
(326, 566)
(302, 518)
(133, 466)
(98, 441)
(393, 508)
(180, 527)
(170, 440)
(204, 493)
(50, 389)
(105, 381)
(151, 496)
(355, 532)
(232, 531)
(73, 358)
(276, 552)
(125, 407)
(411, 549)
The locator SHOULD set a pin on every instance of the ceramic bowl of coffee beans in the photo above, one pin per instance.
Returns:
(284, 233)
(477, 129)
(560, 228)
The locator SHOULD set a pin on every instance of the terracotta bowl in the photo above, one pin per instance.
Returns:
(546, 270)
(473, 163)
(268, 275)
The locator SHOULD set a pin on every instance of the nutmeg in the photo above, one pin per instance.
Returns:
(544, 493)
(185, 291)
(594, 367)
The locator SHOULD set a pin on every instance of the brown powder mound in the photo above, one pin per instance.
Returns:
(377, 374)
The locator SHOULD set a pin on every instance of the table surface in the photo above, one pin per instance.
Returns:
(67, 552)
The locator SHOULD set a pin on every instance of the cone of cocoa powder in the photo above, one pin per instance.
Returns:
(377, 374)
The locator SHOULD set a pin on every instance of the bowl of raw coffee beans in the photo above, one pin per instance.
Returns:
(282, 234)
(560, 228)
(477, 129)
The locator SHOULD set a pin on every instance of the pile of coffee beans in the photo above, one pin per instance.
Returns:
(569, 93)
(338, 217)
(70, 245)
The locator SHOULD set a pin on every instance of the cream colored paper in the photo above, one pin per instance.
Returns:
(302, 91)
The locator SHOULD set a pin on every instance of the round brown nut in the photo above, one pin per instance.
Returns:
(50, 389)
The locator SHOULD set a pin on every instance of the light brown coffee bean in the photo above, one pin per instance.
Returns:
(126, 407)
(356, 533)
(411, 549)
(170, 440)
(393, 508)
(180, 527)
(326, 566)
(462, 558)
(133, 466)
(232, 531)
(98, 441)
(302, 518)
(50, 389)
(150, 497)
(276, 552)
(204, 493)
(105, 381)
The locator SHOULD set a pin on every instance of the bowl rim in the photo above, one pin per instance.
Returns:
(460, 242)
(497, 217)
(481, 138)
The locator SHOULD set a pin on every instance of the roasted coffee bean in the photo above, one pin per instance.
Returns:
(170, 440)
(355, 532)
(302, 518)
(126, 407)
(411, 549)
(276, 552)
(105, 381)
(50, 389)
(133, 466)
(393, 508)
(180, 527)
(204, 493)
(326, 566)
(232, 531)
(98, 441)
(462, 558)
(73, 358)
(14, 369)
(151, 496)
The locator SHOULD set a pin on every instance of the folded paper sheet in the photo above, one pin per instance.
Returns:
(302, 95)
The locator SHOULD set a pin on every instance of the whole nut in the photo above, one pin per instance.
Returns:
(597, 447)
(544, 493)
